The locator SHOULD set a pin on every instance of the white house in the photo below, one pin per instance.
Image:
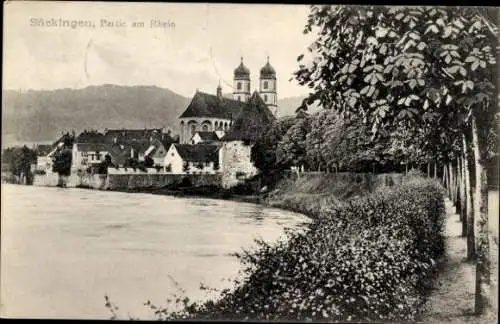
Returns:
(192, 159)
(44, 157)
(88, 154)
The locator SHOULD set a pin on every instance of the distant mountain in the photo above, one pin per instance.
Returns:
(288, 106)
(40, 116)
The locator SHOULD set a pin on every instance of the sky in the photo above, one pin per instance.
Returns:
(205, 45)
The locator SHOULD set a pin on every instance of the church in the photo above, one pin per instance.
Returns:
(217, 133)
(215, 113)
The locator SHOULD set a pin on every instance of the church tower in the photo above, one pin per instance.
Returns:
(267, 87)
(241, 83)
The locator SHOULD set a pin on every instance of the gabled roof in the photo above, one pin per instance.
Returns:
(198, 153)
(44, 149)
(93, 147)
(139, 146)
(207, 105)
(127, 135)
(90, 137)
(166, 140)
(208, 136)
(252, 122)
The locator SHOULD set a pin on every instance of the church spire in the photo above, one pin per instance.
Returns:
(219, 90)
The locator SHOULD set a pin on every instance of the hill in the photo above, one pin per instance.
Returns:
(287, 106)
(41, 115)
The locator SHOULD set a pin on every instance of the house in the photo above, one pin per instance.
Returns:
(158, 149)
(235, 152)
(89, 154)
(44, 157)
(187, 158)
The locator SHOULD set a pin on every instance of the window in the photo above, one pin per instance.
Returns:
(205, 128)
(193, 129)
(265, 98)
(248, 87)
(238, 86)
(265, 85)
(173, 154)
(239, 98)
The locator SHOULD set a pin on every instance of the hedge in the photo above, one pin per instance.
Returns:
(366, 259)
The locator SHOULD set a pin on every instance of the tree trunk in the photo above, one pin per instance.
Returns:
(450, 188)
(428, 169)
(445, 178)
(406, 167)
(481, 226)
(463, 202)
(435, 170)
(469, 218)
(458, 189)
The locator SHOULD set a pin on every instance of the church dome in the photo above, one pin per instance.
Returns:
(267, 71)
(242, 71)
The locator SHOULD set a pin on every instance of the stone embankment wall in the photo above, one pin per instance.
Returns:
(127, 181)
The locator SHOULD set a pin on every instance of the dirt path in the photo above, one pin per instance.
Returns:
(452, 301)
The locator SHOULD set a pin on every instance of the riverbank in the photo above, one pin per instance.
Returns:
(307, 193)
(368, 258)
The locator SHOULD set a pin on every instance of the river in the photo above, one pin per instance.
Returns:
(64, 249)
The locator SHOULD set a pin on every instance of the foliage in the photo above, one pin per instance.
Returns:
(263, 153)
(62, 161)
(185, 166)
(102, 167)
(291, 149)
(168, 168)
(366, 62)
(364, 259)
(18, 160)
(148, 162)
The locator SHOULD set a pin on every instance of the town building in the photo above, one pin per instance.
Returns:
(192, 159)
(210, 113)
(229, 127)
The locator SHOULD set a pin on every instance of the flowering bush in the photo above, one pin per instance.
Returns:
(364, 259)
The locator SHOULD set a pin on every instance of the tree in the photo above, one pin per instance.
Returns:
(418, 65)
(102, 168)
(19, 160)
(291, 150)
(263, 153)
(62, 160)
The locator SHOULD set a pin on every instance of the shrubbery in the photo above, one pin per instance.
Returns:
(369, 258)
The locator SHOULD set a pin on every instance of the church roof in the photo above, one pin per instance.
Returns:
(207, 105)
(268, 71)
(252, 122)
(198, 153)
(242, 72)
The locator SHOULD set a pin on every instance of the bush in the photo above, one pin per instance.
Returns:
(369, 258)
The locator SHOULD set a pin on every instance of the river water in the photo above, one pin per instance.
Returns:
(62, 250)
